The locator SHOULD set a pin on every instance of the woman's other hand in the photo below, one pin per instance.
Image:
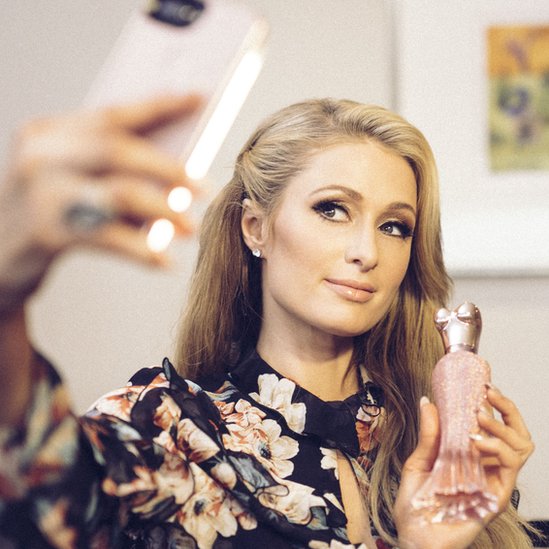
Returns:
(505, 448)
(89, 178)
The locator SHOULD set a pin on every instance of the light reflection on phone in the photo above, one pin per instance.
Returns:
(160, 235)
(180, 199)
(223, 116)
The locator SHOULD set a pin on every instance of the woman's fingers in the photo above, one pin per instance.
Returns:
(510, 440)
(145, 116)
(505, 447)
(499, 431)
(88, 178)
(132, 155)
(129, 151)
(424, 456)
(128, 215)
(140, 202)
(109, 140)
(513, 431)
(68, 209)
(121, 239)
(85, 170)
(127, 200)
(85, 148)
(503, 455)
(509, 411)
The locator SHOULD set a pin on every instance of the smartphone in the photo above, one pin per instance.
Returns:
(212, 47)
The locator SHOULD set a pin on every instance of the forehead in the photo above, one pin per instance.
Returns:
(367, 167)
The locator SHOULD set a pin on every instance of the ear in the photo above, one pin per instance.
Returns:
(254, 225)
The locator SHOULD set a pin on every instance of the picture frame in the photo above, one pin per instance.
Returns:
(495, 223)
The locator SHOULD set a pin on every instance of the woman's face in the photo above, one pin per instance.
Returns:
(340, 241)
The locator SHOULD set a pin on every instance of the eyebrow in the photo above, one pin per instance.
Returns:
(351, 193)
(355, 195)
(401, 206)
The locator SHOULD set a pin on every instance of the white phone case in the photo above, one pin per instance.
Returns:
(217, 56)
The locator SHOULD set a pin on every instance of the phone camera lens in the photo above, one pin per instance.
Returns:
(179, 13)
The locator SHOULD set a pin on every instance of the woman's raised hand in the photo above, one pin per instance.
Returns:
(89, 178)
(505, 448)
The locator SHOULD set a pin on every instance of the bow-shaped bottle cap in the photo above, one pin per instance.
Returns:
(460, 329)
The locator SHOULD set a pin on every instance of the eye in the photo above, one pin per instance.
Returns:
(397, 228)
(329, 209)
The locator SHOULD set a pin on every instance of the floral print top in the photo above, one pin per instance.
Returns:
(246, 460)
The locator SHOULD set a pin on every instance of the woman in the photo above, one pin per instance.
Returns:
(308, 339)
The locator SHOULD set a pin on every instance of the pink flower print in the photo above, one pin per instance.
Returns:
(167, 413)
(196, 444)
(224, 474)
(263, 440)
(295, 504)
(211, 511)
(118, 403)
(244, 414)
(277, 394)
(149, 489)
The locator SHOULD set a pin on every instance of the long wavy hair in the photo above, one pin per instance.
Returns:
(223, 316)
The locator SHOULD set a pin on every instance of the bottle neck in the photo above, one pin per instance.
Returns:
(461, 347)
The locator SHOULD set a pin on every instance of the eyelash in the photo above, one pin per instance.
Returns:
(322, 209)
(405, 230)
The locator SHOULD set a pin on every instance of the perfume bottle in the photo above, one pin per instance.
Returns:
(456, 489)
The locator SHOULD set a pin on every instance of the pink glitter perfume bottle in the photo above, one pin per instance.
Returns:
(456, 489)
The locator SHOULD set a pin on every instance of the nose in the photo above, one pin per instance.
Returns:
(362, 249)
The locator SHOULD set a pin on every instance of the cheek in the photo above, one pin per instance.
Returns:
(397, 262)
(295, 260)
(404, 263)
(293, 243)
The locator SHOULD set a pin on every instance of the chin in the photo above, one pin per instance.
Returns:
(351, 327)
(347, 331)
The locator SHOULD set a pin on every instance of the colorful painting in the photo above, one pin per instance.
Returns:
(518, 65)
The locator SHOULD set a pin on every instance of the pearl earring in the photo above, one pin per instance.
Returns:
(256, 252)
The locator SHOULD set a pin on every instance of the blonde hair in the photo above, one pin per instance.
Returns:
(223, 316)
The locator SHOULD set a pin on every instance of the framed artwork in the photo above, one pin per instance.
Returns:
(518, 72)
(474, 77)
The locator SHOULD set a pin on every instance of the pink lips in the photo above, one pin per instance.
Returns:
(352, 290)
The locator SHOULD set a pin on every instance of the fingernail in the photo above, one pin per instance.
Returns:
(423, 401)
(475, 436)
(490, 385)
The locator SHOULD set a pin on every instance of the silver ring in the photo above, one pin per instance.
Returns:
(90, 212)
(85, 218)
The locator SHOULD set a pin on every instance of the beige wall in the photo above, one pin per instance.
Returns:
(100, 318)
